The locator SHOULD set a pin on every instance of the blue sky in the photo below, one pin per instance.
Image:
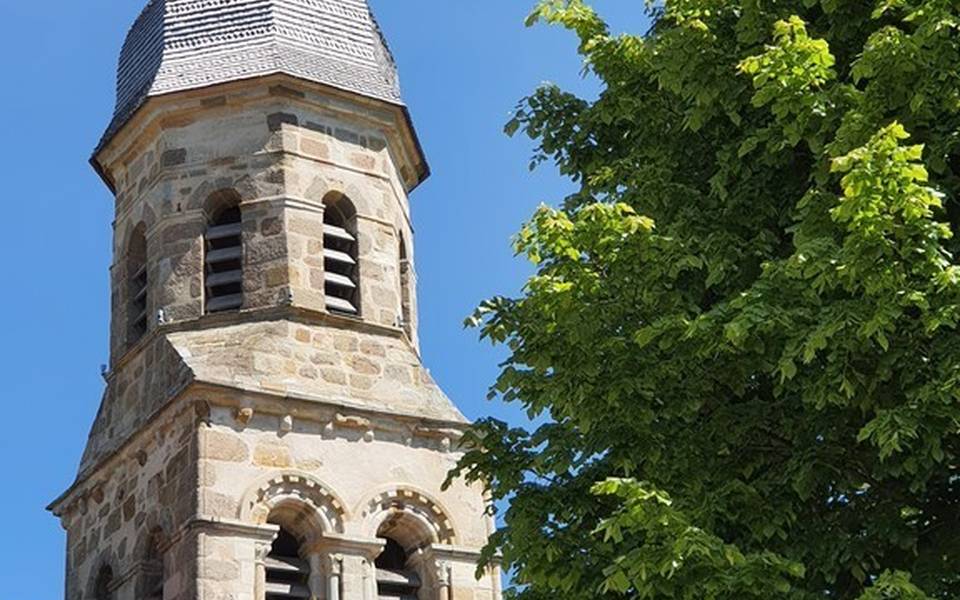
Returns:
(463, 66)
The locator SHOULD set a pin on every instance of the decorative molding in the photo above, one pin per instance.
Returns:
(426, 514)
(299, 488)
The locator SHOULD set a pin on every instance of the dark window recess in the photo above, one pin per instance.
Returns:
(137, 287)
(395, 581)
(224, 262)
(287, 573)
(153, 568)
(154, 581)
(406, 308)
(340, 261)
(103, 587)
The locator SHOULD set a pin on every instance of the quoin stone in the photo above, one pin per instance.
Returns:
(268, 430)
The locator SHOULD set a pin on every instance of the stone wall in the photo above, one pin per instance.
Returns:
(348, 475)
(283, 158)
(217, 429)
(127, 516)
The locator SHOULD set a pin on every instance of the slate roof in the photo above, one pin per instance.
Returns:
(178, 45)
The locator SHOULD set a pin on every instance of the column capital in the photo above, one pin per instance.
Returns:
(346, 546)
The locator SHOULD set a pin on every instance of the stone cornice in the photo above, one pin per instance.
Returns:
(420, 426)
(178, 108)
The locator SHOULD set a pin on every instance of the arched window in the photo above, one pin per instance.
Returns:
(396, 580)
(153, 567)
(224, 256)
(138, 287)
(406, 294)
(340, 256)
(288, 574)
(103, 587)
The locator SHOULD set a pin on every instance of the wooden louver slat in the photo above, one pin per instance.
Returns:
(221, 303)
(277, 590)
(341, 280)
(219, 232)
(393, 577)
(338, 233)
(340, 305)
(286, 575)
(224, 254)
(338, 257)
(224, 278)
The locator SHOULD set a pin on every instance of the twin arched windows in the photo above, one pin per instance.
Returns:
(340, 256)
(223, 263)
(223, 245)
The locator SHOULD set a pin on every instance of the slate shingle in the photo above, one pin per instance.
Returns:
(178, 45)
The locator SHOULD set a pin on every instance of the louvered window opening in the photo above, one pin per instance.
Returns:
(406, 311)
(395, 581)
(287, 574)
(138, 303)
(340, 263)
(224, 262)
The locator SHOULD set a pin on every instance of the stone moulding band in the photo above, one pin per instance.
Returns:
(295, 487)
(396, 502)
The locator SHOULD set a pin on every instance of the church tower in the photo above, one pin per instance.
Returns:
(268, 430)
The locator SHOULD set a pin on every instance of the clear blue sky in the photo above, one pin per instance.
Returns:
(463, 66)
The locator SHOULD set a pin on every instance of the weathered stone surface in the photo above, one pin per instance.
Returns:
(214, 425)
(224, 446)
(272, 455)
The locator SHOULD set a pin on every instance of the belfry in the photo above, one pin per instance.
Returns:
(268, 430)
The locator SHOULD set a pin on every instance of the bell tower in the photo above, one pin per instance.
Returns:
(268, 430)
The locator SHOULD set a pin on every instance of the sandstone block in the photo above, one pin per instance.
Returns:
(223, 446)
(334, 376)
(314, 148)
(345, 343)
(364, 366)
(272, 455)
(220, 570)
(372, 348)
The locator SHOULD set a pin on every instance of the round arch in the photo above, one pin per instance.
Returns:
(102, 578)
(408, 515)
(295, 497)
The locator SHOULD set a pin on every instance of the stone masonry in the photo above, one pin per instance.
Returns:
(217, 431)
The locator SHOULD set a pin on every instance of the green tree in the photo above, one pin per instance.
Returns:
(741, 338)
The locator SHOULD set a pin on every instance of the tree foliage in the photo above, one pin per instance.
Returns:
(741, 338)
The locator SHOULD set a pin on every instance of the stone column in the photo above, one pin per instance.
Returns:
(334, 576)
(345, 567)
(230, 559)
(316, 576)
(369, 580)
(261, 550)
(444, 581)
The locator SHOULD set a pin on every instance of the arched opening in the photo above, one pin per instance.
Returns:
(287, 573)
(340, 253)
(406, 291)
(154, 575)
(224, 253)
(103, 586)
(411, 525)
(138, 288)
(396, 578)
